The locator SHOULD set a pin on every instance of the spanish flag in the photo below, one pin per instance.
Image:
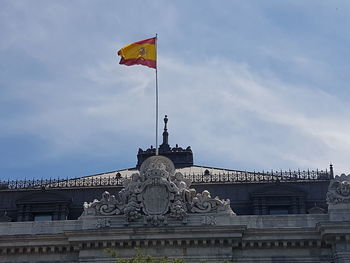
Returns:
(140, 53)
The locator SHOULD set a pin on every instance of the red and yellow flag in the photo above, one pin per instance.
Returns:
(139, 53)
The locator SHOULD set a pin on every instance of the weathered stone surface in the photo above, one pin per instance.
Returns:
(339, 190)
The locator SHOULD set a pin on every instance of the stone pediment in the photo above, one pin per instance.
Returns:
(155, 195)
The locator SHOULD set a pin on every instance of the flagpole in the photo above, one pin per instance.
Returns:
(156, 97)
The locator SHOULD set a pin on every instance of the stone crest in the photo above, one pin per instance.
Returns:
(339, 190)
(156, 194)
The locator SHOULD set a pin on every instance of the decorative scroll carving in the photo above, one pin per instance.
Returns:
(339, 190)
(156, 194)
(108, 205)
(203, 203)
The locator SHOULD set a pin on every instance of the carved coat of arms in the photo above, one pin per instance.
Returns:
(155, 194)
(339, 190)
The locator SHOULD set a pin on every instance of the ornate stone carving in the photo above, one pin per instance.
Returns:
(156, 194)
(103, 223)
(132, 209)
(108, 205)
(178, 210)
(209, 220)
(339, 190)
(203, 203)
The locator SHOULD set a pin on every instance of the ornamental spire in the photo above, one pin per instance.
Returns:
(165, 132)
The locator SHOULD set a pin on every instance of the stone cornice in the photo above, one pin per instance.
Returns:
(334, 230)
(238, 236)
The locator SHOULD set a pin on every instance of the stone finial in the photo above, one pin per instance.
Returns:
(165, 132)
(331, 170)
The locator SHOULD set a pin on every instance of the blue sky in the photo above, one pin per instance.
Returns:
(250, 85)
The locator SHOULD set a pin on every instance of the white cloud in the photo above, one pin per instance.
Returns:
(240, 97)
(228, 113)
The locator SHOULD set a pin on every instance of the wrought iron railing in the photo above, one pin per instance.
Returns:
(205, 178)
(256, 177)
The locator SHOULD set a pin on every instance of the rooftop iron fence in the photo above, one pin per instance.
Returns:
(204, 178)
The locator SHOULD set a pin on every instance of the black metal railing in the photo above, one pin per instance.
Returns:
(256, 177)
(205, 178)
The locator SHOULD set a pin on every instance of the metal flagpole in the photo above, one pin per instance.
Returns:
(156, 97)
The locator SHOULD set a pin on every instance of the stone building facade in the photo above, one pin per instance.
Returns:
(166, 206)
(159, 212)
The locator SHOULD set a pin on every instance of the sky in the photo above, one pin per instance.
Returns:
(249, 85)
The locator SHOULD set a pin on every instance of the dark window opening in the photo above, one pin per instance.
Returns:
(43, 217)
(278, 210)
